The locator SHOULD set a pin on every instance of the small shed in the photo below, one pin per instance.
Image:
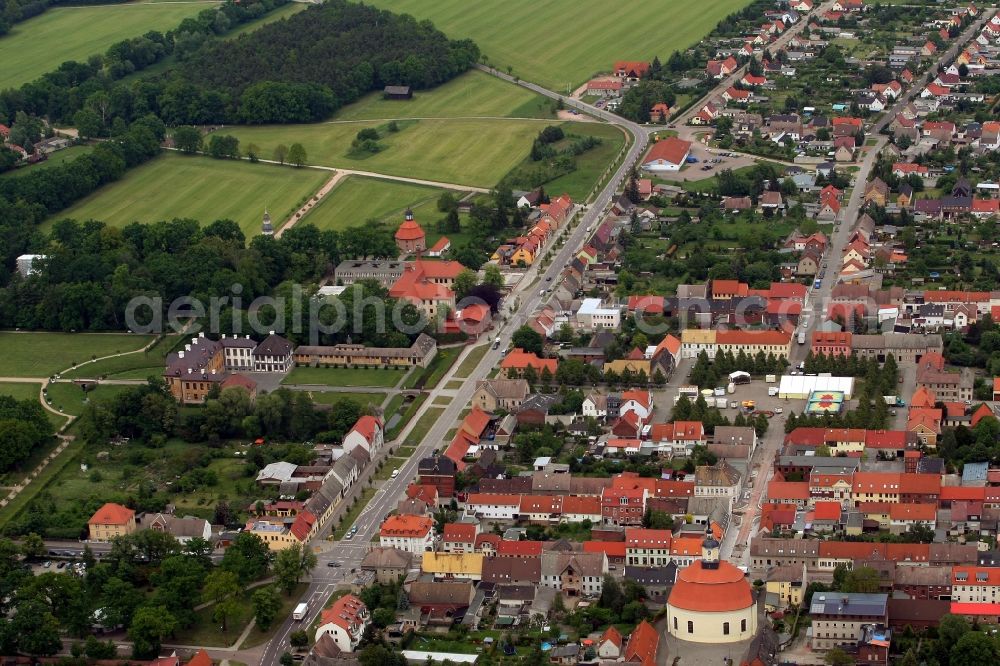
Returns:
(397, 92)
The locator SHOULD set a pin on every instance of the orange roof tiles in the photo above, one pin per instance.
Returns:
(112, 514)
(912, 511)
(827, 511)
(711, 590)
(643, 644)
(788, 490)
(460, 533)
(518, 359)
(406, 526)
(613, 549)
(409, 231)
(637, 537)
(670, 149)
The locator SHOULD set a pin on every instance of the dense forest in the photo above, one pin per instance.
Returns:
(23, 427)
(324, 57)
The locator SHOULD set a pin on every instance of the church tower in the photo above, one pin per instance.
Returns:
(709, 551)
(266, 228)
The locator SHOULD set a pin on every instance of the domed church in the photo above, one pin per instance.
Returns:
(711, 602)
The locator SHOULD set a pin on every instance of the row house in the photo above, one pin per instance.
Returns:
(974, 584)
(766, 552)
(646, 547)
(895, 487)
(677, 439)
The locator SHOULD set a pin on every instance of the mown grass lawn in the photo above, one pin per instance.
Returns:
(474, 93)
(71, 398)
(331, 397)
(131, 366)
(471, 360)
(433, 373)
(344, 376)
(411, 410)
(591, 164)
(357, 199)
(421, 428)
(561, 43)
(41, 44)
(20, 391)
(200, 188)
(39, 354)
(474, 152)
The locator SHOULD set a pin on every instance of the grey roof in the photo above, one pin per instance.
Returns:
(848, 603)
(273, 345)
(585, 564)
(516, 592)
(237, 342)
(656, 576)
(512, 569)
(386, 558)
(764, 546)
(437, 465)
(733, 435)
(974, 471)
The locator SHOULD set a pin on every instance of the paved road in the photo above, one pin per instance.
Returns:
(350, 553)
(819, 298)
(730, 80)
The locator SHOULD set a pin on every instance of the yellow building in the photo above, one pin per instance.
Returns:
(110, 521)
(696, 340)
(463, 566)
(786, 586)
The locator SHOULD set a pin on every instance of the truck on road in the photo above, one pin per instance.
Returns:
(802, 337)
(300, 612)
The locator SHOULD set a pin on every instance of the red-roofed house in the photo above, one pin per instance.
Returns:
(366, 433)
(643, 645)
(414, 534)
(630, 70)
(609, 645)
(110, 521)
(460, 537)
(345, 622)
(788, 492)
(719, 69)
(514, 364)
(647, 548)
(668, 154)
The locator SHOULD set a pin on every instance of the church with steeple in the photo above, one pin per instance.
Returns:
(410, 237)
(711, 601)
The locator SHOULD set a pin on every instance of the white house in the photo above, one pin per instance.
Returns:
(345, 622)
(366, 433)
(274, 354)
(667, 154)
(593, 314)
(640, 402)
(595, 405)
(492, 506)
(414, 534)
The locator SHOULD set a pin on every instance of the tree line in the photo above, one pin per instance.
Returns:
(93, 271)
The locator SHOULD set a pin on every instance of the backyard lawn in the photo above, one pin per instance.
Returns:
(55, 159)
(519, 33)
(200, 188)
(38, 354)
(344, 376)
(474, 93)
(474, 152)
(357, 199)
(41, 44)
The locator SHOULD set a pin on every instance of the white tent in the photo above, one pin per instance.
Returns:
(798, 387)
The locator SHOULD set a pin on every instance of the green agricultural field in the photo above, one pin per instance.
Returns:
(344, 376)
(561, 43)
(201, 188)
(466, 152)
(41, 44)
(356, 199)
(33, 354)
(55, 159)
(474, 93)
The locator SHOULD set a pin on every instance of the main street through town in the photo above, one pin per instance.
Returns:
(528, 296)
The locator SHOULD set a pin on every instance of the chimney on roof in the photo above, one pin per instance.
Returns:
(190, 370)
(187, 347)
(180, 354)
(270, 332)
(201, 335)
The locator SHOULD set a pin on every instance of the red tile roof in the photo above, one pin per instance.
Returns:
(520, 548)
(613, 549)
(460, 533)
(200, 658)
(926, 513)
(671, 149)
(788, 490)
(406, 526)
(112, 514)
(303, 524)
(518, 359)
(643, 644)
(827, 511)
